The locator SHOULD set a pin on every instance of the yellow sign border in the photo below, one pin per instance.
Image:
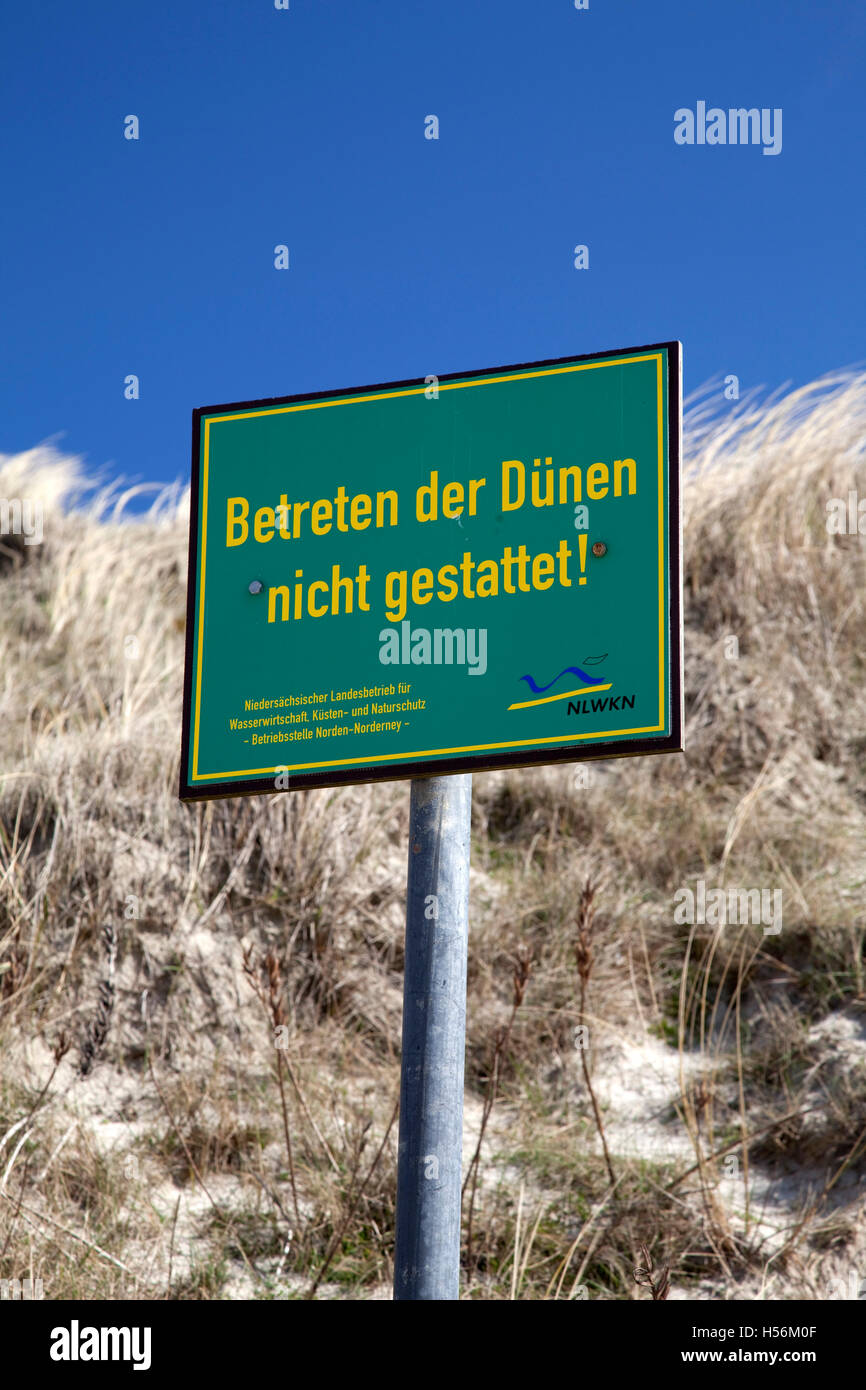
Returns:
(561, 739)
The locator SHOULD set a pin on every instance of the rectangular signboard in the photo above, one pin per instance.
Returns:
(473, 571)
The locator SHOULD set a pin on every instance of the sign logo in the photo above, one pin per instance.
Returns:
(545, 699)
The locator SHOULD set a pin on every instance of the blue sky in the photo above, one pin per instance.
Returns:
(409, 256)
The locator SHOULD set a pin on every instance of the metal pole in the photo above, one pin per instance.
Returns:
(429, 1164)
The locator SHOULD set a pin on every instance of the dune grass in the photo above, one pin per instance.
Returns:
(154, 1143)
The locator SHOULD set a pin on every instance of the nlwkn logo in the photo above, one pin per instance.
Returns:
(74, 1343)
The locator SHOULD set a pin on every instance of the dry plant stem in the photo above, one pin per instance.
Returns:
(649, 975)
(57, 1150)
(273, 1003)
(516, 1257)
(796, 1232)
(475, 1163)
(522, 971)
(60, 1050)
(351, 1208)
(688, 1114)
(697, 1100)
(288, 1136)
(306, 1109)
(635, 991)
(735, 1005)
(660, 1286)
(595, 1109)
(522, 1248)
(740, 1085)
(273, 1196)
(855, 1149)
(21, 1189)
(590, 1251)
(583, 953)
(528, 1247)
(171, 1248)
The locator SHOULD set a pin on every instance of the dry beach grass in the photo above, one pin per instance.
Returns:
(153, 1141)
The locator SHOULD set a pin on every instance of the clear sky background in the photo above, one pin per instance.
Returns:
(409, 256)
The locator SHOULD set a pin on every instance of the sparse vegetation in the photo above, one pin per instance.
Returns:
(727, 1068)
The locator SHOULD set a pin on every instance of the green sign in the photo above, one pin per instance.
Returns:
(473, 571)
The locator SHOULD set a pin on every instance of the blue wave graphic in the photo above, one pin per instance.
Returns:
(568, 671)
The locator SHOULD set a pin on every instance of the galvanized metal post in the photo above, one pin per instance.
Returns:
(429, 1166)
